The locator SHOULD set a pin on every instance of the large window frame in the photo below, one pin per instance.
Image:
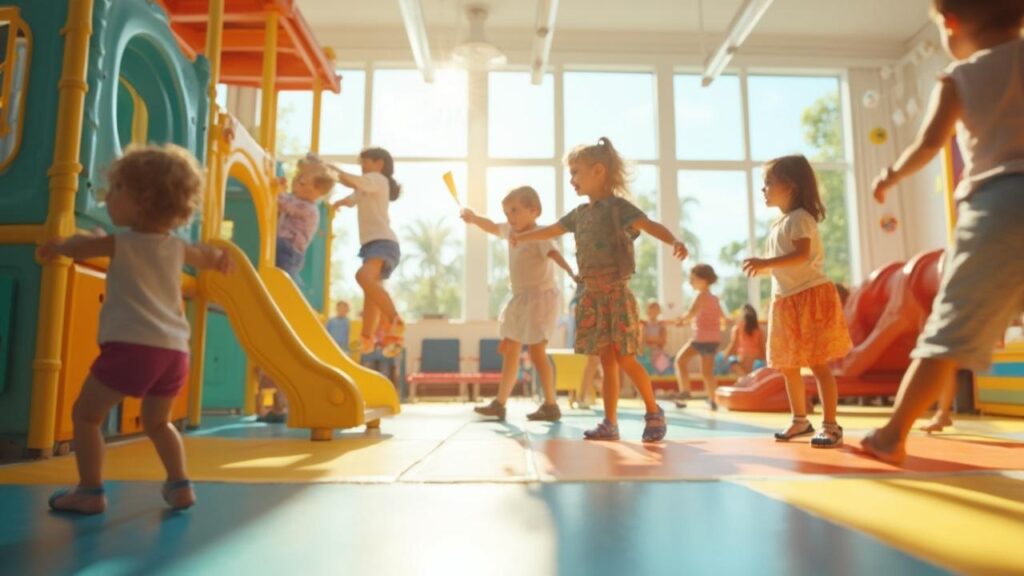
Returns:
(666, 164)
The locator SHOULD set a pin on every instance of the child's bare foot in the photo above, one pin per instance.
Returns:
(876, 446)
(79, 500)
(937, 423)
(179, 494)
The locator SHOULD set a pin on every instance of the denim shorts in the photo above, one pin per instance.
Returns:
(705, 348)
(385, 250)
(983, 277)
(289, 259)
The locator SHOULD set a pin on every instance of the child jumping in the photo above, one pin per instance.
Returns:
(530, 316)
(981, 97)
(607, 321)
(379, 245)
(143, 333)
(806, 326)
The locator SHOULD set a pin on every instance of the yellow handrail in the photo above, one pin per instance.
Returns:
(60, 222)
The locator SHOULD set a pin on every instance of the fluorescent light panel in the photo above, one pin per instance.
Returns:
(543, 33)
(416, 29)
(743, 23)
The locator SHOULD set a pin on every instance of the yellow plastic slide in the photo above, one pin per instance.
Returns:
(282, 335)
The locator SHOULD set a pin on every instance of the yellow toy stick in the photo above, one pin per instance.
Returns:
(449, 181)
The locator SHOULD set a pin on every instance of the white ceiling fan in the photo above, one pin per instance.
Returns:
(476, 52)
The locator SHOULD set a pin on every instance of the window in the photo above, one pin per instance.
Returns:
(428, 281)
(500, 181)
(412, 118)
(222, 96)
(795, 115)
(644, 187)
(618, 105)
(713, 223)
(521, 116)
(294, 122)
(709, 121)
(342, 115)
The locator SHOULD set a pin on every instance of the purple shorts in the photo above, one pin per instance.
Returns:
(138, 370)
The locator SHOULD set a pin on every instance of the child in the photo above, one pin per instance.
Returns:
(606, 317)
(531, 314)
(297, 221)
(379, 244)
(338, 327)
(143, 333)
(746, 350)
(653, 337)
(706, 315)
(982, 287)
(298, 216)
(806, 326)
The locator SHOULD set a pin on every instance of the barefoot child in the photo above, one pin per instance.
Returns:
(706, 315)
(143, 333)
(607, 322)
(806, 326)
(530, 316)
(372, 192)
(981, 97)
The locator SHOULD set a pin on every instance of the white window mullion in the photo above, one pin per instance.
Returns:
(753, 285)
(475, 292)
(670, 281)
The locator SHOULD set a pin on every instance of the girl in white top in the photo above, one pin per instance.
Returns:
(373, 191)
(143, 333)
(806, 326)
(980, 98)
(531, 314)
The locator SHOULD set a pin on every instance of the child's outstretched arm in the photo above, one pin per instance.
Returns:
(78, 247)
(944, 110)
(662, 233)
(690, 314)
(560, 260)
(542, 233)
(485, 224)
(800, 254)
(206, 257)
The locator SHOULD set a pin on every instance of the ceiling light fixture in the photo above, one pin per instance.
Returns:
(544, 32)
(416, 28)
(742, 25)
(476, 53)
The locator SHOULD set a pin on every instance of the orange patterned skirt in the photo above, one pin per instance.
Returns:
(807, 328)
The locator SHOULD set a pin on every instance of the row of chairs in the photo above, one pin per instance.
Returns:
(440, 364)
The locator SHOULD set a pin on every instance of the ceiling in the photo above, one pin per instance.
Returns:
(849, 20)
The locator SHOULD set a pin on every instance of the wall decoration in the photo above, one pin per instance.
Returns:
(878, 135)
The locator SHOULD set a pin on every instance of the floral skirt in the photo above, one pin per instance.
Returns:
(807, 328)
(607, 315)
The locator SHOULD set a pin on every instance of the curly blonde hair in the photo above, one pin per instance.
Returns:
(525, 196)
(165, 182)
(314, 168)
(616, 170)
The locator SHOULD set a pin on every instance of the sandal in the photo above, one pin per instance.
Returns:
(655, 427)
(178, 494)
(94, 500)
(830, 436)
(603, 431)
(799, 427)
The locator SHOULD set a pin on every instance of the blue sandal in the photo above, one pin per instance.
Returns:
(603, 431)
(78, 490)
(169, 488)
(655, 427)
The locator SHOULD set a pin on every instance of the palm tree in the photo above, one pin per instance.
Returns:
(430, 279)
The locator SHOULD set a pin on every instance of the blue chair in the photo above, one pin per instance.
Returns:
(439, 364)
(490, 365)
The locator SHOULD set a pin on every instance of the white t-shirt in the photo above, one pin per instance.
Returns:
(143, 302)
(990, 133)
(529, 267)
(372, 199)
(790, 280)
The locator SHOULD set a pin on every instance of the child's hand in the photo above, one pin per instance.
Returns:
(221, 261)
(51, 249)
(282, 184)
(575, 278)
(752, 266)
(679, 250)
(467, 215)
(882, 184)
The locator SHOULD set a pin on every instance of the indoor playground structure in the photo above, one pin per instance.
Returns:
(103, 75)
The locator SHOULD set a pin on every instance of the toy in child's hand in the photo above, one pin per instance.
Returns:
(449, 181)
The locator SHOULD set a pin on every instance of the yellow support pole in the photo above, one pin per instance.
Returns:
(60, 221)
(22, 234)
(314, 146)
(269, 99)
(314, 139)
(213, 211)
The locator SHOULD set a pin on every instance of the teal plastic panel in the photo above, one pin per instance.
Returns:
(17, 263)
(315, 268)
(224, 366)
(6, 324)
